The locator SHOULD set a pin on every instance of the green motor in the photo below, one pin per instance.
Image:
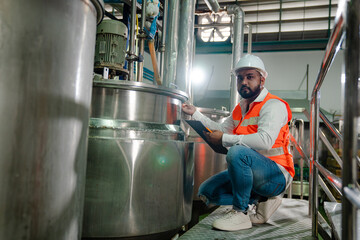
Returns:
(110, 49)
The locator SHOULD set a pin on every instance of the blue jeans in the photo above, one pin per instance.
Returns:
(250, 176)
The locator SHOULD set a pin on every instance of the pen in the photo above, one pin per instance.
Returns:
(208, 129)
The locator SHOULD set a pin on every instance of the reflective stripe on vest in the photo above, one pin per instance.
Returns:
(250, 121)
(272, 152)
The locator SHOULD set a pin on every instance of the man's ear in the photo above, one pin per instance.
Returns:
(262, 81)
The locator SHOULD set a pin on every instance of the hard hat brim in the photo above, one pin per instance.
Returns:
(261, 71)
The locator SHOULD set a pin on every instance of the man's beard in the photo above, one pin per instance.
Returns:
(247, 93)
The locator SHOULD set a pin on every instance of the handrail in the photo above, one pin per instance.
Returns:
(332, 47)
(351, 111)
(331, 127)
(326, 190)
(347, 26)
(321, 181)
(353, 195)
(330, 148)
(300, 143)
(334, 180)
(331, 50)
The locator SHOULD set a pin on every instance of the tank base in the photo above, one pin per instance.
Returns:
(157, 236)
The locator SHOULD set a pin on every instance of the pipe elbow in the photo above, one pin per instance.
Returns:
(236, 10)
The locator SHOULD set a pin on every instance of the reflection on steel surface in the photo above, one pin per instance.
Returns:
(207, 162)
(140, 170)
(47, 52)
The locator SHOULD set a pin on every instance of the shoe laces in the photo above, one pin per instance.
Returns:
(230, 213)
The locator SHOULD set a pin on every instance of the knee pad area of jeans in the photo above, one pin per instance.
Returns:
(237, 152)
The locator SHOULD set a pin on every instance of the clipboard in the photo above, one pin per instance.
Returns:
(200, 129)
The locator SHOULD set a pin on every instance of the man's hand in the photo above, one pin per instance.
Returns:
(188, 109)
(215, 137)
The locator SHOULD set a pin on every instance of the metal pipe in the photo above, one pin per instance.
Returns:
(213, 5)
(314, 154)
(332, 47)
(249, 47)
(351, 115)
(330, 148)
(332, 128)
(186, 43)
(300, 150)
(335, 183)
(171, 47)
(142, 37)
(237, 49)
(334, 180)
(301, 127)
(326, 190)
(329, 176)
(131, 53)
(163, 39)
(307, 81)
(301, 141)
(353, 195)
(292, 128)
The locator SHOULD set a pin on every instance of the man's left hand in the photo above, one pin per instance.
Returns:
(215, 137)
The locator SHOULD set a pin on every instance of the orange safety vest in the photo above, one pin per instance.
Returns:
(279, 152)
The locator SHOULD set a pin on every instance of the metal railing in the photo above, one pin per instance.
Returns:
(346, 29)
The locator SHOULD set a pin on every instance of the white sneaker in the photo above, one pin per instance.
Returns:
(233, 221)
(264, 210)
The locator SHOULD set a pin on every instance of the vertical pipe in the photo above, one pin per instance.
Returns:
(186, 43)
(307, 81)
(301, 133)
(163, 39)
(171, 47)
(237, 49)
(280, 17)
(314, 140)
(329, 20)
(249, 47)
(142, 37)
(131, 53)
(351, 114)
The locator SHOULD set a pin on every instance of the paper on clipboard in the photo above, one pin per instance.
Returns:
(200, 128)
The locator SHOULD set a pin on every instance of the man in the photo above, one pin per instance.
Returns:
(260, 166)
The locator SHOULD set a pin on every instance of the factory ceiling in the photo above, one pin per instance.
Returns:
(277, 25)
(281, 25)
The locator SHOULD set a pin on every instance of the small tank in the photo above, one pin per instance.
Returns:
(139, 178)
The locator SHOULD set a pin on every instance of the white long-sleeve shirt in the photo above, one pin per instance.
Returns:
(273, 116)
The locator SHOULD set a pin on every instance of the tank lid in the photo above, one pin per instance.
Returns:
(99, 6)
(142, 87)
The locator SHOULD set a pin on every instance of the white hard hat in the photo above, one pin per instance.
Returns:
(251, 61)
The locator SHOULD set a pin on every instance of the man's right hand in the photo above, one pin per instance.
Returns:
(188, 108)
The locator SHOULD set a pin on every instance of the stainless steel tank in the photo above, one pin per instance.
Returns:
(46, 62)
(140, 169)
(207, 162)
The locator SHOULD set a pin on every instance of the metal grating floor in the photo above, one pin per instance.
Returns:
(290, 221)
(333, 211)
